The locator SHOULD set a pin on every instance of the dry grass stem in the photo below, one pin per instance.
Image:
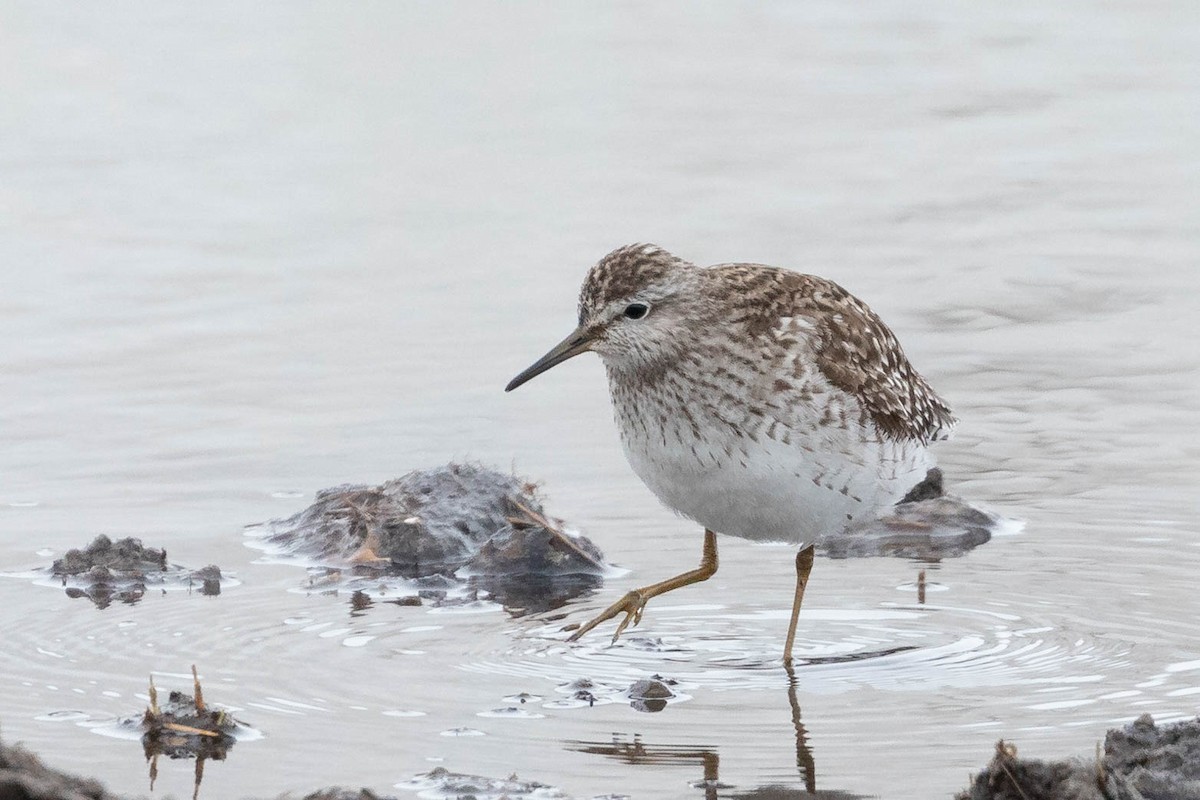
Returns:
(538, 519)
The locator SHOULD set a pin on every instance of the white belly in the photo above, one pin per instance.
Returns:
(757, 487)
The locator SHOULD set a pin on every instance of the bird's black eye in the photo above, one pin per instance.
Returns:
(636, 310)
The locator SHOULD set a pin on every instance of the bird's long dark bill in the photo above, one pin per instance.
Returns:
(578, 342)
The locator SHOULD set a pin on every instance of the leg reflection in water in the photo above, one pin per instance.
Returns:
(804, 757)
(707, 759)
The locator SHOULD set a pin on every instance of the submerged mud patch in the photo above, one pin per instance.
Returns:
(644, 694)
(442, 783)
(927, 525)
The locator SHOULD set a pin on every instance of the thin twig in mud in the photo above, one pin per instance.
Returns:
(1008, 752)
(153, 698)
(555, 532)
(362, 513)
(199, 779)
(199, 694)
(368, 553)
(178, 728)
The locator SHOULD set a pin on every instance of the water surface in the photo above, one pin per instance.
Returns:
(254, 251)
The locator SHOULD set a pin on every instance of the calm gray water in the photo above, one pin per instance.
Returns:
(253, 250)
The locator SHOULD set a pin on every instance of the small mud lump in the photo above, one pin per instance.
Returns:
(931, 487)
(105, 571)
(649, 694)
(127, 555)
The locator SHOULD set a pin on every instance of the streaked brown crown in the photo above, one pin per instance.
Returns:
(623, 272)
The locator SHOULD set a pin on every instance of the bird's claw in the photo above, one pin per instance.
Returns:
(633, 615)
(632, 604)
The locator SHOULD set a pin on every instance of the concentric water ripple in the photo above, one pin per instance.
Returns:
(902, 648)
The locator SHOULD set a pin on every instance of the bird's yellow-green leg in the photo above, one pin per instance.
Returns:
(634, 602)
(804, 564)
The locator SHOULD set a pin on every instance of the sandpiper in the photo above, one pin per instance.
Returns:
(757, 401)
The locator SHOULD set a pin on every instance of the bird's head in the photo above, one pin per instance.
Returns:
(634, 309)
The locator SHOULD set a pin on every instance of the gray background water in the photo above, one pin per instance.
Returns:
(250, 250)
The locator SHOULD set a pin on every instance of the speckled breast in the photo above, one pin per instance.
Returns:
(745, 475)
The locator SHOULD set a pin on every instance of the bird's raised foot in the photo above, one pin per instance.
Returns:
(633, 604)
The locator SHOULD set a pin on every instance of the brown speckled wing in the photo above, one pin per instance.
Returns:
(855, 350)
(859, 354)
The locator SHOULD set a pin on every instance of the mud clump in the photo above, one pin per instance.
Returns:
(437, 522)
(124, 555)
(105, 571)
(932, 486)
(1142, 761)
(461, 520)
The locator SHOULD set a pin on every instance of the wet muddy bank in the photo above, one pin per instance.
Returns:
(24, 776)
(1140, 761)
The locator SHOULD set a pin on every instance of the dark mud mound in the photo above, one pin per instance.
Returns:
(1140, 762)
(927, 525)
(24, 777)
(338, 793)
(437, 521)
(461, 521)
(123, 570)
